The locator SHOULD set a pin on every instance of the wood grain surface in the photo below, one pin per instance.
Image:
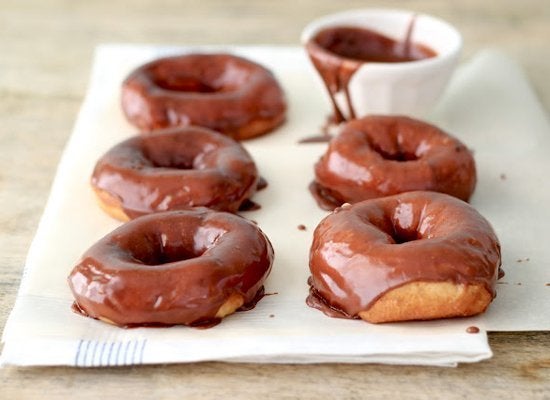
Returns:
(46, 50)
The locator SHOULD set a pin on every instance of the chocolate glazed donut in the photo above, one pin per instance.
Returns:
(174, 169)
(226, 93)
(412, 256)
(380, 156)
(190, 267)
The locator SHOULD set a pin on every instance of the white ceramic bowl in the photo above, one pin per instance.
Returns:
(409, 88)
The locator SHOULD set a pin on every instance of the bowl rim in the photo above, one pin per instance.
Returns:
(453, 52)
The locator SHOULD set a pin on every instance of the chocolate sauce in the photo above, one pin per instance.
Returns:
(366, 45)
(472, 329)
(302, 227)
(338, 52)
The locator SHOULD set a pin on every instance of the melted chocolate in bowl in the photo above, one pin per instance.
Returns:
(338, 52)
(370, 46)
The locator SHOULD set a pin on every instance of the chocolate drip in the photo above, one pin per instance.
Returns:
(262, 184)
(336, 74)
(338, 52)
(323, 197)
(249, 205)
(315, 300)
(260, 294)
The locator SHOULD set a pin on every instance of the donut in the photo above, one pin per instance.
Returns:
(188, 267)
(172, 169)
(412, 256)
(378, 156)
(226, 93)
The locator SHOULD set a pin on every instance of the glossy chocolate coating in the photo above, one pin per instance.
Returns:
(170, 268)
(379, 156)
(177, 168)
(362, 251)
(222, 92)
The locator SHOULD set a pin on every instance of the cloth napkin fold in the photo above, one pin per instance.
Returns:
(42, 330)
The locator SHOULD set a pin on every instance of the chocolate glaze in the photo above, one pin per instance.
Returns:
(338, 52)
(362, 251)
(171, 268)
(174, 169)
(223, 92)
(379, 156)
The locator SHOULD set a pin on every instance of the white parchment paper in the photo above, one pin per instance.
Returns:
(489, 105)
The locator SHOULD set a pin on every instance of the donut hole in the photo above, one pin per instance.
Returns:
(183, 83)
(401, 236)
(394, 154)
(173, 153)
(201, 74)
(165, 256)
(397, 156)
(158, 250)
(173, 161)
(390, 145)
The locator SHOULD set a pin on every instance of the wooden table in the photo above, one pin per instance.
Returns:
(44, 67)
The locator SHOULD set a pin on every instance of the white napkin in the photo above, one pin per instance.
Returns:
(489, 105)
